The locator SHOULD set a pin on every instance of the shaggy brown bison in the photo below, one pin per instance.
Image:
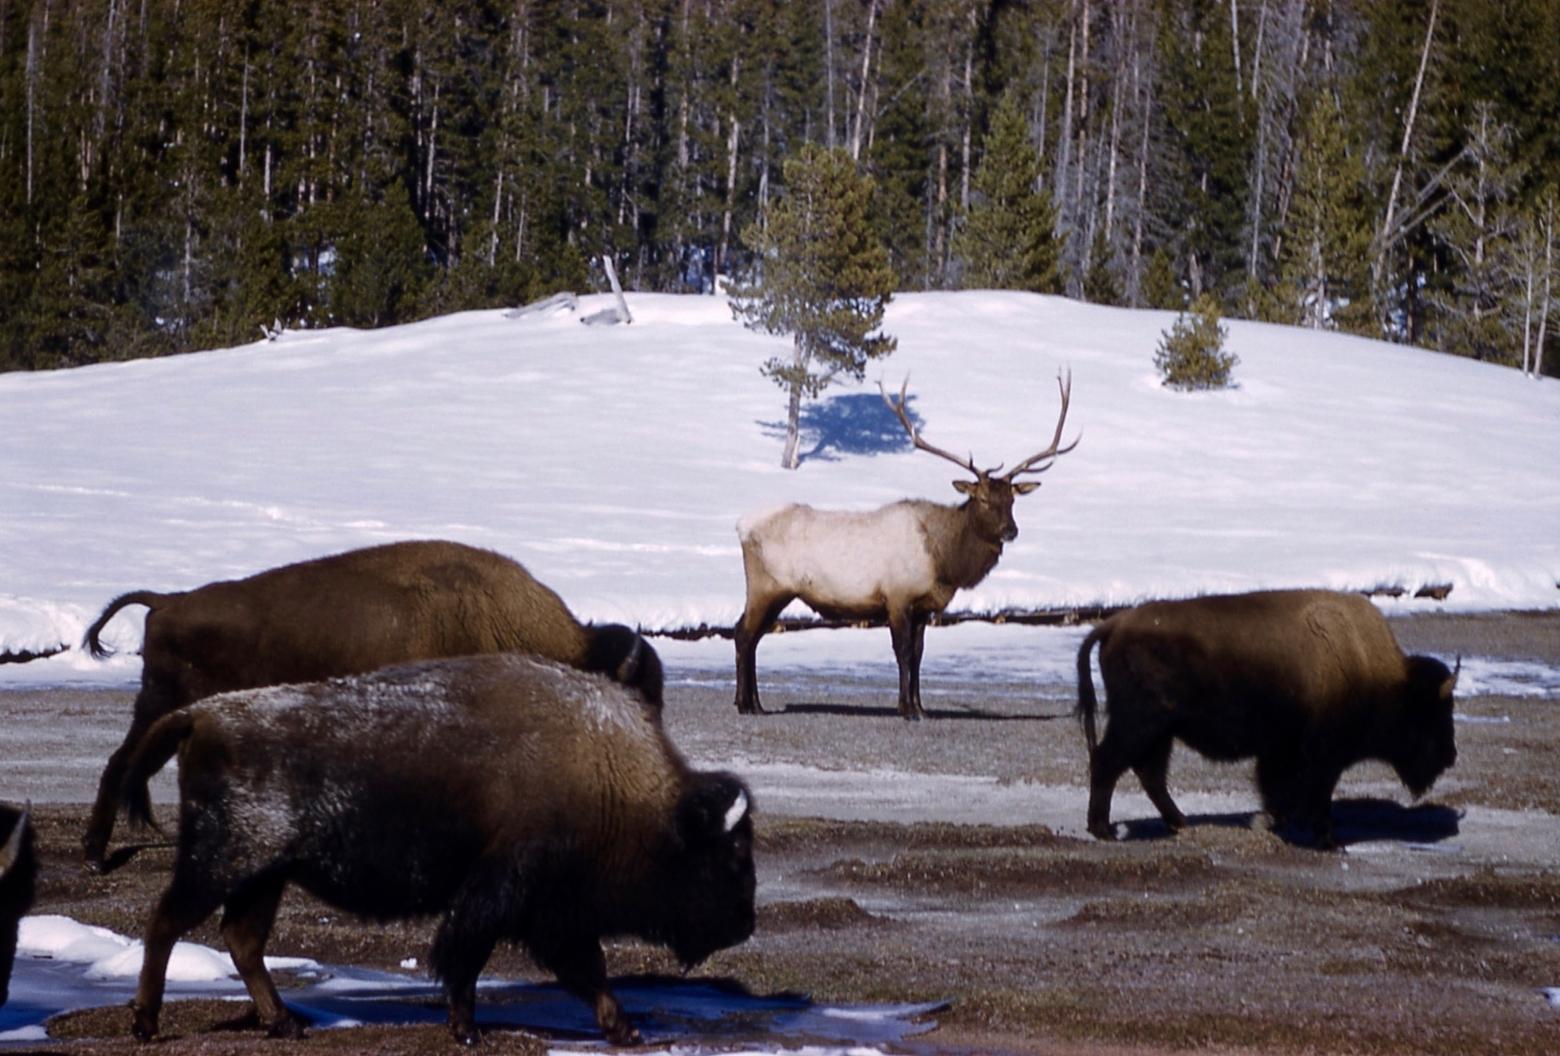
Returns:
(1309, 682)
(568, 817)
(18, 873)
(344, 615)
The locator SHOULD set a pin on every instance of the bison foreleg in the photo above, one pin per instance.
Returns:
(246, 925)
(1107, 762)
(581, 969)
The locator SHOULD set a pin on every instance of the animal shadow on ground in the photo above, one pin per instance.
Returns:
(862, 711)
(1362, 820)
(858, 423)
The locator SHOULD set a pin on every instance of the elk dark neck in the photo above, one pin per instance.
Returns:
(967, 556)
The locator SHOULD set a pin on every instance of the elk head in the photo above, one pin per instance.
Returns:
(990, 496)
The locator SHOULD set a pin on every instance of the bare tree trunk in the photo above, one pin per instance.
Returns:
(861, 96)
(1235, 44)
(1547, 228)
(1064, 159)
(828, 59)
(793, 415)
(1385, 239)
(969, 112)
(733, 140)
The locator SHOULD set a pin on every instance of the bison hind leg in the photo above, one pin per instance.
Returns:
(246, 926)
(1152, 768)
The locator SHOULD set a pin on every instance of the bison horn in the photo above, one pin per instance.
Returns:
(735, 812)
(13, 844)
(630, 664)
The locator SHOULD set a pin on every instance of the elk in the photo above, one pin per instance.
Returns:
(903, 562)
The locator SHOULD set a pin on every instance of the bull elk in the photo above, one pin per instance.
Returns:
(903, 562)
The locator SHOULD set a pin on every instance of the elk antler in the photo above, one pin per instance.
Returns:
(1054, 451)
(915, 435)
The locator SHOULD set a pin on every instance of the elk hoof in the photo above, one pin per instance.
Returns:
(143, 1025)
(289, 1026)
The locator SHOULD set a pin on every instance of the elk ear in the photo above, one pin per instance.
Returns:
(1025, 487)
(964, 487)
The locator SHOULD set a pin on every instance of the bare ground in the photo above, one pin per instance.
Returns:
(1434, 932)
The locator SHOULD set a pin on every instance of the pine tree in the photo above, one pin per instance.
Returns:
(1009, 236)
(1191, 354)
(821, 276)
(1099, 282)
(1323, 281)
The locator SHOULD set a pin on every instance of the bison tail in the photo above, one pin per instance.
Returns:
(90, 641)
(1087, 703)
(151, 754)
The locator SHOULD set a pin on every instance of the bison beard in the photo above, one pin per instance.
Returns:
(569, 817)
(1307, 682)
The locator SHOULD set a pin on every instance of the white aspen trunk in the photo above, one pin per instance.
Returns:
(1548, 228)
(1384, 238)
(793, 414)
(498, 205)
(32, 107)
(969, 114)
(1064, 159)
(1083, 114)
(1256, 51)
(828, 61)
(861, 97)
(1142, 206)
(1235, 44)
(243, 118)
(732, 143)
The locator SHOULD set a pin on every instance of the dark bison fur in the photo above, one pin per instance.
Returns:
(343, 615)
(1309, 682)
(18, 876)
(512, 797)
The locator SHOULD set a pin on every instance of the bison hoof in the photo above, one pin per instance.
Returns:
(1102, 831)
(623, 1035)
(754, 708)
(470, 1037)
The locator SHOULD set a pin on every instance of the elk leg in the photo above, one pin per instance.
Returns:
(756, 621)
(901, 629)
(918, 647)
(246, 925)
(183, 905)
(1151, 768)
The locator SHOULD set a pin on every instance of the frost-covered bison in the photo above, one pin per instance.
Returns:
(18, 873)
(516, 798)
(343, 615)
(1309, 682)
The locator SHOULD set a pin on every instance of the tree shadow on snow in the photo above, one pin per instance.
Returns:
(1362, 820)
(858, 423)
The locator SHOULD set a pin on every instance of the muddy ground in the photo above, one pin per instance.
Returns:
(946, 860)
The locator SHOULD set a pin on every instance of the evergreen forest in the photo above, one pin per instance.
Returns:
(182, 174)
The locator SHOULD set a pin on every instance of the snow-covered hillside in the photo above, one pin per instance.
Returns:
(614, 462)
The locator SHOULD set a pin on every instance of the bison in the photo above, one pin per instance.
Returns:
(343, 615)
(1309, 682)
(18, 873)
(516, 798)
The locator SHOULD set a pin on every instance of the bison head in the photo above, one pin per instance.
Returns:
(622, 654)
(709, 899)
(1426, 742)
